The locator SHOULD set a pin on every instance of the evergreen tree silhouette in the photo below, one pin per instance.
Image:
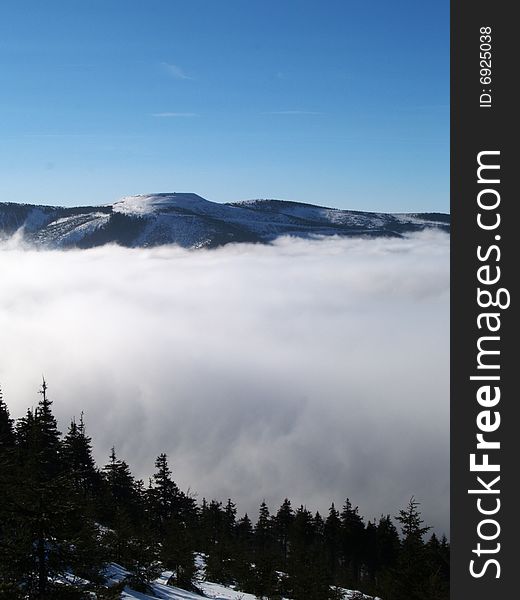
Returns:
(243, 568)
(353, 530)
(164, 493)
(78, 460)
(61, 519)
(214, 524)
(119, 489)
(6, 425)
(307, 575)
(282, 524)
(10, 571)
(166, 508)
(411, 571)
(333, 540)
(265, 577)
(50, 529)
(177, 554)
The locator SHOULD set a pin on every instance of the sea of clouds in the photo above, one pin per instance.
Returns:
(314, 369)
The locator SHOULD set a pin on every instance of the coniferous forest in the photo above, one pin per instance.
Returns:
(63, 519)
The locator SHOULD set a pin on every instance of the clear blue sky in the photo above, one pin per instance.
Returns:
(337, 102)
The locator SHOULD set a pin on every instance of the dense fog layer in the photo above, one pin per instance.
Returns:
(310, 369)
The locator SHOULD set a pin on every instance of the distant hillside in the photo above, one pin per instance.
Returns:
(193, 222)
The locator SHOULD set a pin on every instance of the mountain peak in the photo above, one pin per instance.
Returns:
(144, 204)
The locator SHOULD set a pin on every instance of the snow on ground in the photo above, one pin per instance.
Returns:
(214, 591)
(416, 219)
(73, 228)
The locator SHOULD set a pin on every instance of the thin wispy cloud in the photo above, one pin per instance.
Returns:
(175, 71)
(172, 115)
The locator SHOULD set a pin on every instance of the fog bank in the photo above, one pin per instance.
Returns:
(312, 369)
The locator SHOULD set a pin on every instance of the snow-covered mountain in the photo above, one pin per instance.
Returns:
(193, 222)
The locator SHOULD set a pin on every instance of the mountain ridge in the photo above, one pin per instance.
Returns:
(192, 221)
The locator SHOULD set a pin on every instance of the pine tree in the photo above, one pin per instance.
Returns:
(307, 574)
(164, 494)
(48, 434)
(214, 525)
(228, 542)
(353, 530)
(177, 555)
(319, 525)
(119, 490)
(202, 534)
(230, 513)
(243, 569)
(8, 485)
(412, 568)
(333, 539)
(265, 577)
(130, 538)
(78, 461)
(411, 523)
(6, 426)
(221, 561)
(49, 530)
(388, 543)
(168, 517)
(437, 558)
(282, 526)
(43, 502)
(370, 551)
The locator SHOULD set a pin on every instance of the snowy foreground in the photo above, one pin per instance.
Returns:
(215, 591)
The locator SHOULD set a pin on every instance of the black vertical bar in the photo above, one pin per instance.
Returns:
(484, 117)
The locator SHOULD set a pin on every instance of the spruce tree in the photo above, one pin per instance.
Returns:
(353, 530)
(50, 531)
(214, 524)
(388, 543)
(265, 577)
(333, 539)
(78, 461)
(282, 524)
(164, 494)
(168, 517)
(119, 490)
(47, 433)
(43, 501)
(412, 567)
(307, 574)
(6, 426)
(177, 554)
(437, 558)
(228, 544)
(9, 573)
(243, 569)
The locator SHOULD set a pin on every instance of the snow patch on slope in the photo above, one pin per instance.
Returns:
(73, 228)
(146, 205)
(115, 573)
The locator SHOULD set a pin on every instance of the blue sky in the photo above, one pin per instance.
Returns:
(336, 102)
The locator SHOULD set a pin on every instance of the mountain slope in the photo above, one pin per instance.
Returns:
(208, 589)
(193, 222)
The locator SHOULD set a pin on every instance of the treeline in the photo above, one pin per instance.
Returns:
(62, 519)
